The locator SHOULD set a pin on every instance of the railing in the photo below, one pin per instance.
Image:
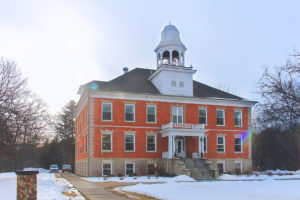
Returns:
(182, 126)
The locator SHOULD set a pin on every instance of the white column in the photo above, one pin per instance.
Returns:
(183, 59)
(170, 146)
(171, 58)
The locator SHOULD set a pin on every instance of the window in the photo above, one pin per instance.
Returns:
(177, 115)
(238, 167)
(181, 84)
(129, 142)
(151, 143)
(151, 168)
(221, 167)
(129, 112)
(151, 114)
(106, 168)
(238, 118)
(220, 143)
(220, 118)
(173, 83)
(202, 116)
(107, 111)
(106, 141)
(238, 144)
(129, 169)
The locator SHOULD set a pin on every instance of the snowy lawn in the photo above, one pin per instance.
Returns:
(144, 179)
(216, 190)
(266, 175)
(49, 187)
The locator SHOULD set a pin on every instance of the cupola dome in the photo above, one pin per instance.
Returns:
(170, 50)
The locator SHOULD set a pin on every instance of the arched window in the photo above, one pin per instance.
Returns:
(166, 58)
(175, 58)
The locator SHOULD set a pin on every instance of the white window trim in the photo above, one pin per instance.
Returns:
(222, 162)
(240, 137)
(155, 140)
(205, 114)
(129, 162)
(224, 142)
(177, 108)
(180, 84)
(107, 162)
(126, 133)
(133, 112)
(223, 116)
(111, 110)
(111, 140)
(173, 85)
(241, 118)
(154, 116)
(240, 162)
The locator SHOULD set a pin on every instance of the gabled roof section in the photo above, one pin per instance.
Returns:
(136, 81)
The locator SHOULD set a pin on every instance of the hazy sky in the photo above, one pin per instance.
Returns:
(60, 45)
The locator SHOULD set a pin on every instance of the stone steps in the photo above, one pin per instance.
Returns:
(199, 169)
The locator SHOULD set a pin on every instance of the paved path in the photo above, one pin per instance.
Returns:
(93, 191)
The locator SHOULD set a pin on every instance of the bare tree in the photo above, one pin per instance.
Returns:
(280, 91)
(22, 114)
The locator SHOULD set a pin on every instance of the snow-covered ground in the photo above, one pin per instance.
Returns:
(216, 190)
(266, 175)
(49, 187)
(144, 179)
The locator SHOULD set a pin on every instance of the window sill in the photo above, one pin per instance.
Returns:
(129, 151)
(238, 152)
(238, 126)
(221, 125)
(150, 151)
(106, 151)
(151, 122)
(129, 121)
(220, 152)
(103, 120)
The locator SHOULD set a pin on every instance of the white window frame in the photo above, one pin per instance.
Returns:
(111, 111)
(154, 113)
(181, 84)
(133, 142)
(241, 118)
(224, 166)
(238, 162)
(223, 117)
(107, 162)
(205, 115)
(155, 142)
(129, 104)
(129, 162)
(224, 142)
(111, 141)
(173, 83)
(177, 108)
(239, 137)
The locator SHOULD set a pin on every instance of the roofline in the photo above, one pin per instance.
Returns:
(129, 94)
(172, 68)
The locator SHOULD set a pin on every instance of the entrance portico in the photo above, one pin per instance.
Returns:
(177, 134)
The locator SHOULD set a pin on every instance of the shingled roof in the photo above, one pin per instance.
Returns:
(136, 81)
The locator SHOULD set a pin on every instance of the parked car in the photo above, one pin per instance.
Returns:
(54, 168)
(66, 168)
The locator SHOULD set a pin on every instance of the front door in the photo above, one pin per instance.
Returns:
(180, 148)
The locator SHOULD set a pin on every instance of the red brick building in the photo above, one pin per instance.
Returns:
(161, 118)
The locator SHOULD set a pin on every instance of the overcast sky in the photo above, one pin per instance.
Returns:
(60, 45)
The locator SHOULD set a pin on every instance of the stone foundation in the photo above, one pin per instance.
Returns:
(26, 185)
(230, 164)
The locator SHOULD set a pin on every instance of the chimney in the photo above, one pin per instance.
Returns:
(125, 70)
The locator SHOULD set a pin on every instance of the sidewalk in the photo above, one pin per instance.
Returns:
(90, 190)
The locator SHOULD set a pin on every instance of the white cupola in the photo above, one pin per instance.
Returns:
(170, 50)
(171, 76)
